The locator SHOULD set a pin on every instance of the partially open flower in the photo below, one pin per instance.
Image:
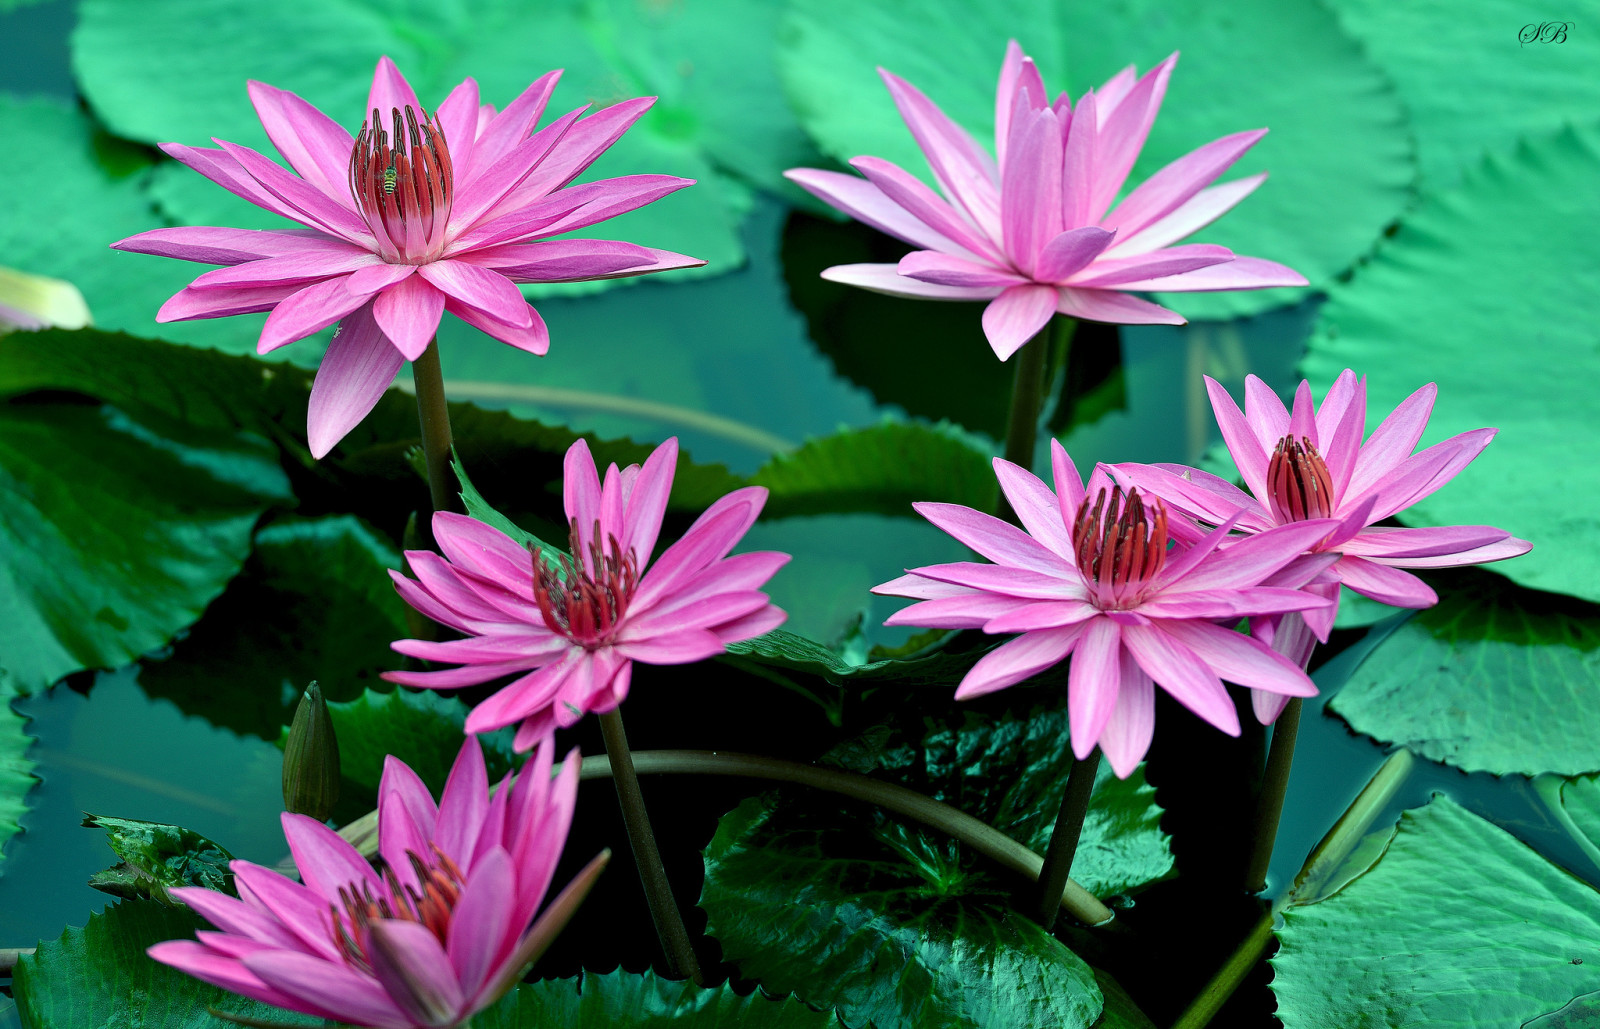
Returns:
(441, 932)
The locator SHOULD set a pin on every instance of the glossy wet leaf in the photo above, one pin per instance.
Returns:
(1447, 58)
(882, 470)
(1494, 679)
(113, 538)
(898, 924)
(16, 768)
(156, 857)
(1503, 938)
(93, 188)
(1338, 150)
(90, 976)
(1486, 289)
(604, 1000)
(326, 51)
(423, 728)
(314, 602)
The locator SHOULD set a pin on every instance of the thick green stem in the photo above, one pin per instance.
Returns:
(1269, 806)
(1027, 393)
(674, 935)
(1323, 861)
(985, 839)
(1064, 839)
(434, 415)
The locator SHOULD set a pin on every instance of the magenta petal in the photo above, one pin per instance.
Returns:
(1127, 734)
(334, 257)
(1248, 449)
(1125, 272)
(458, 120)
(326, 862)
(488, 291)
(1069, 483)
(481, 931)
(1070, 252)
(328, 986)
(1181, 672)
(969, 611)
(307, 311)
(1016, 316)
(1030, 189)
(647, 503)
(867, 204)
(205, 244)
(390, 91)
(1125, 127)
(227, 972)
(237, 917)
(510, 126)
(1382, 541)
(962, 168)
(1240, 659)
(464, 803)
(1393, 440)
(408, 313)
(949, 270)
(534, 339)
(416, 803)
(301, 910)
(580, 492)
(584, 143)
(220, 303)
(398, 837)
(1385, 584)
(997, 540)
(304, 202)
(1081, 163)
(315, 145)
(575, 260)
(1249, 561)
(1093, 681)
(1506, 548)
(1104, 305)
(1013, 662)
(1039, 510)
(886, 278)
(681, 647)
(415, 971)
(218, 166)
(359, 365)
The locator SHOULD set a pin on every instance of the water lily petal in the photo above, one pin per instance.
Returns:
(1012, 662)
(359, 365)
(1016, 316)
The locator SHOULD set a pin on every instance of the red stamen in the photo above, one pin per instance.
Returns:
(430, 906)
(587, 599)
(403, 185)
(1119, 547)
(1299, 485)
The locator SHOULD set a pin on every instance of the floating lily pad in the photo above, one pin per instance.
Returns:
(157, 857)
(1475, 76)
(90, 976)
(1338, 151)
(1494, 679)
(1507, 939)
(601, 1001)
(1488, 290)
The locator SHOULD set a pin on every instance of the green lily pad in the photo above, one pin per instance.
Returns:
(16, 769)
(157, 857)
(1338, 152)
(326, 52)
(1494, 679)
(1507, 939)
(1575, 803)
(1476, 76)
(898, 925)
(313, 602)
(1487, 290)
(601, 1001)
(879, 470)
(92, 977)
(93, 187)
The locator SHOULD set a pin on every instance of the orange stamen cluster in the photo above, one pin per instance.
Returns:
(587, 599)
(429, 905)
(1119, 547)
(403, 185)
(1298, 483)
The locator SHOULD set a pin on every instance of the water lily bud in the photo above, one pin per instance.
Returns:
(35, 302)
(311, 759)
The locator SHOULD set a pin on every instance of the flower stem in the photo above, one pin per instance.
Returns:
(434, 416)
(1269, 807)
(674, 936)
(1320, 865)
(1064, 838)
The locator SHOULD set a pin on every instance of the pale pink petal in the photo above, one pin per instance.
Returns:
(1093, 682)
(335, 257)
(487, 291)
(1123, 129)
(950, 270)
(1190, 217)
(1196, 494)
(1081, 164)
(1016, 316)
(1252, 559)
(886, 278)
(1247, 448)
(1507, 548)
(1036, 507)
(1239, 273)
(1012, 662)
(534, 338)
(205, 244)
(315, 145)
(1385, 584)
(1181, 672)
(995, 539)
(190, 303)
(408, 313)
(1392, 441)
(1069, 484)
(1240, 659)
(1118, 272)
(1030, 189)
(1340, 422)
(390, 91)
(1126, 737)
(964, 171)
(359, 365)
(1167, 190)
(1265, 411)
(920, 588)
(1104, 305)
(1070, 252)
(1014, 582)
(1005, 94)
(575, 260)
(968, 611)
(326, 862)
(1420, 475)
(1383, 541)
(927, 207)
(867, 204)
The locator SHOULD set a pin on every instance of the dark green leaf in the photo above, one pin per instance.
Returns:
(1495, 678)
(99, 977)
(601, 1001)
(314, 602)
(1338, 153)
(157, 857)
(16, 768)
(1458, 924)
(881, 469)
(1506, 356)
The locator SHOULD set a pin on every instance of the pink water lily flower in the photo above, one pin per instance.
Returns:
(575, 625)
(443, 931)
(1311, 463)
(1090, 574)
(416, 215)
(1035, 232)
